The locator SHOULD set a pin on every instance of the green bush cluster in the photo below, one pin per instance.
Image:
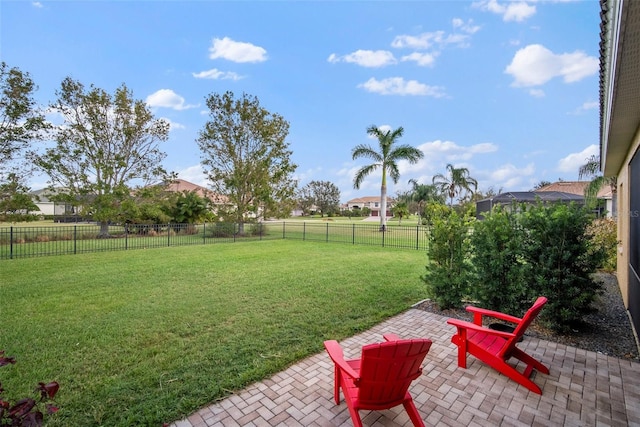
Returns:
(513, 256)
(603, 232)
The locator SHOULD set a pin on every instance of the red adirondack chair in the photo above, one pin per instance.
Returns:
(380, 379)
(494, 347)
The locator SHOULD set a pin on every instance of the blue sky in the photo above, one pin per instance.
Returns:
(507, 89)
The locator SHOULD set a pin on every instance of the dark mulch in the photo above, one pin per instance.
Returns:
(608, 330)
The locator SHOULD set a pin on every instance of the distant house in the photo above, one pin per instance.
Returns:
(509, 198)
(578, 187)
(42, 199)
(371, 202)
(180, 185)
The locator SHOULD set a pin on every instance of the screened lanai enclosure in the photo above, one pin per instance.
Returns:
(512, 199)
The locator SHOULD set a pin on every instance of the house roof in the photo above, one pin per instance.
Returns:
(619, 82)
(180, 185)
(575, 187)
(367, 199)
(532, 196)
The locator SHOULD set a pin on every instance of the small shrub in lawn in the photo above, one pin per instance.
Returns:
(222, 229)
(26, 412)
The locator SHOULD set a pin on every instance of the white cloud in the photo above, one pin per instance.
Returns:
(422, 59)
(428, 40)
(37, 4)
(451, 151)
(573, 161)
(398, 86)
(194, 174)
(535, 65)
(215, 74)
(365, 58)
(468, 27)
(586, 106)
(537, 93)
(510, 177)
(168, 99)
(231, 50)
(511, 10)
(173, 125)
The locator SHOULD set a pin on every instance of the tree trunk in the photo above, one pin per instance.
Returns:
(104, 230)
(383, 207)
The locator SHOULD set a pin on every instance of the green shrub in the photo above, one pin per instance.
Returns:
(562, 259)
(447, 275)
(603, 232)
(221, 229)
(501, 274)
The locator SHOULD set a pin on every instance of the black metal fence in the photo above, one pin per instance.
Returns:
(28, 241)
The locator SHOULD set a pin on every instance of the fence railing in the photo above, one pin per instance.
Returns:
(28, 241)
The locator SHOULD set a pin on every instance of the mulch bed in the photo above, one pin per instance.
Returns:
(608, 330)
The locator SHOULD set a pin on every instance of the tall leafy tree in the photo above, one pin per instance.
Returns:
(246, 156)
(21, 120)
(107, 144)
(386, 159)
(305, 199)
(591, 169)
(15, 201)
(326, 196)
(456, 182)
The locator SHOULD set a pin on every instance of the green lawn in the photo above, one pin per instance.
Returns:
(148, 336)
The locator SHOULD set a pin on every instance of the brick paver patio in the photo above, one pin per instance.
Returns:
(583, 389)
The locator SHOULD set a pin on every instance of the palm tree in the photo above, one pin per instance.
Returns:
(457, 181)
(386, 159)
(592, 169)
(423, 193)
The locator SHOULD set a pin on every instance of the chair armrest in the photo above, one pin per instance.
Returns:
(462, 324)
(391, 337)
(491, 313)
(336, 354)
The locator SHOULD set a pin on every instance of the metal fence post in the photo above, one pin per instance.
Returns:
(204, 233)
(11, 243)
(283, 229)
(75, 239)
(304, 230)
(353, 234)
(327, 233)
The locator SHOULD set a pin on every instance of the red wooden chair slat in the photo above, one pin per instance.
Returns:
(495, 348)
(380, 379)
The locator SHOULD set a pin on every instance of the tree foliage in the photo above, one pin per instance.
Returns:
(455, 183)
(591, 169)
(21, 121)
(562, 259)
(421, 194)
(325, 195)
(386, 159)
(502, 274)
(448, 267)
(246, 156)
(16, 203)
(106, 144)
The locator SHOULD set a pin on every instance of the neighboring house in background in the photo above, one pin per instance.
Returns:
(371, 202)
(620, 137)
(578, 187)
(532, 197)
(180, 185)
(42, 199)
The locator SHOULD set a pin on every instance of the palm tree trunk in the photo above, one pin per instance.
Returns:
(383, 207)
